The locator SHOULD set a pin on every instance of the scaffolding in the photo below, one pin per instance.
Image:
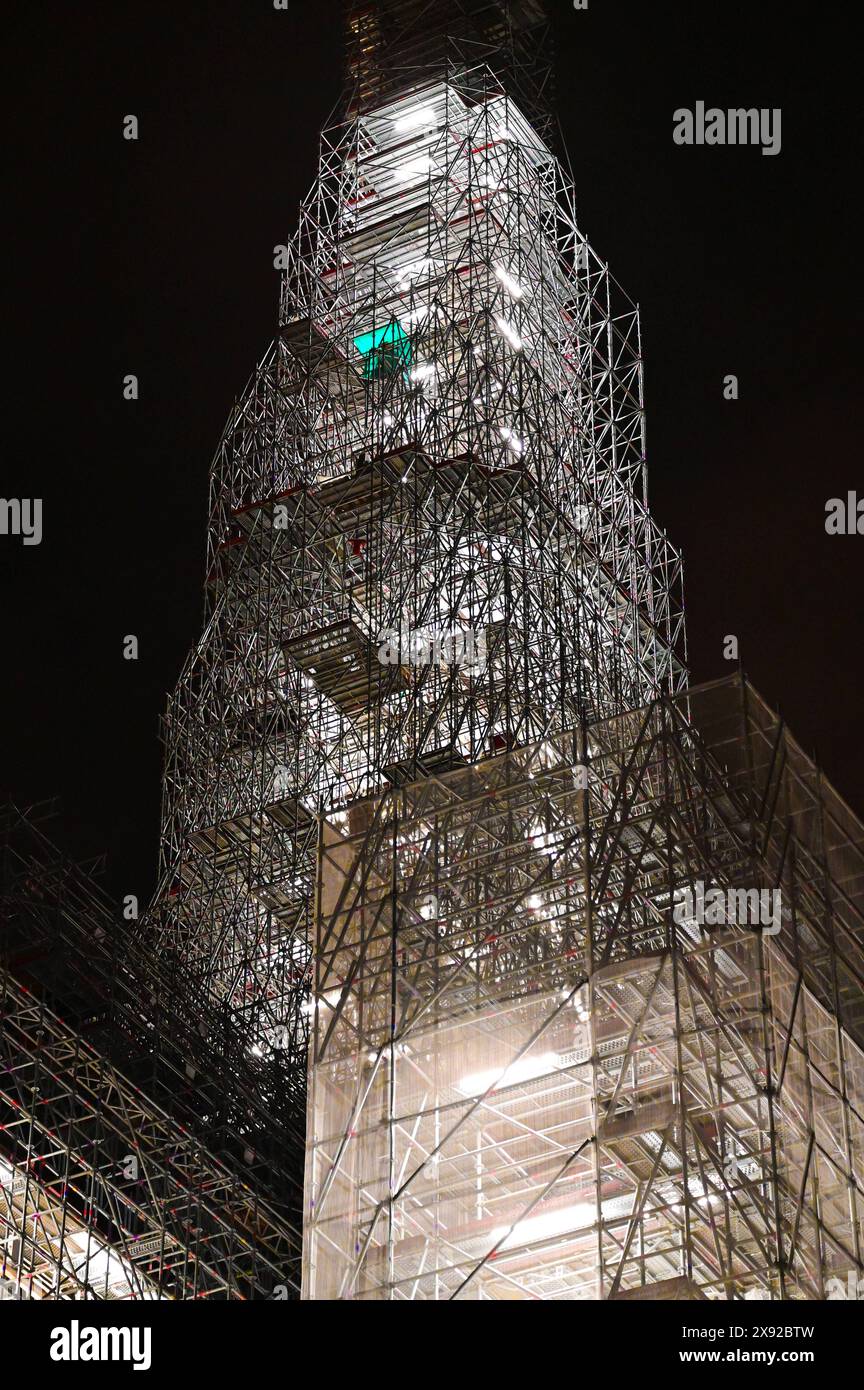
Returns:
(437, 603)
(549, 968)
(394, 46)
(141, 1156)
(534, 1072)
(446, 443)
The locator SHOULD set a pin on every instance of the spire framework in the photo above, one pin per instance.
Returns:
(430, 538)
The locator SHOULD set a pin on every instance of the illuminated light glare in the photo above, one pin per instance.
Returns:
(508, 332)
(414, 169)
(545, 1225)
(541, 839)
(423, 371)
(512, 440)
(415, 120)
(525, 1069)
(99, 1265)
(513, 288)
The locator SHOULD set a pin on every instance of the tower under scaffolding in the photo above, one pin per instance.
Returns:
(436, 793)
(429, 539)
(444, 830)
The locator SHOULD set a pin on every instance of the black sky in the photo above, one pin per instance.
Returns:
(155, 258)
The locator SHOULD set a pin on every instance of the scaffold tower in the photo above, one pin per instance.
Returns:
(429, 530)
(436, 793)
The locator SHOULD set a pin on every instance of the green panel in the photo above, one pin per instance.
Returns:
(386, 350)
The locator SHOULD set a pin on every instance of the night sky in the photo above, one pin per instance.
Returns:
(155, 257)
